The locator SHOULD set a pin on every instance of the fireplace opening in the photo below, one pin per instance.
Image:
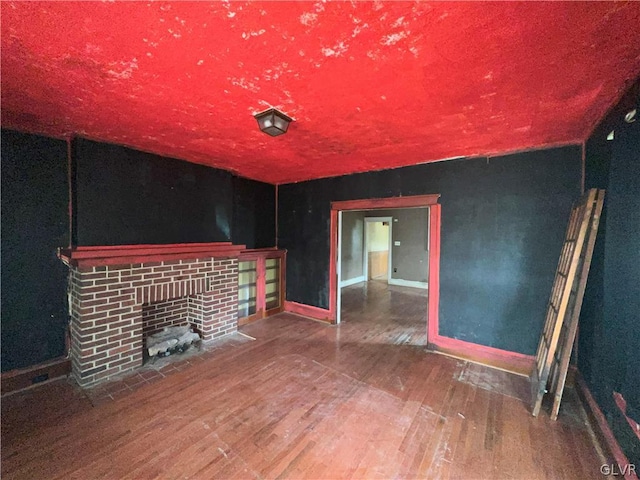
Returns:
(167, 328)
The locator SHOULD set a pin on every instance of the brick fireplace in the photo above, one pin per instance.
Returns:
(111, 287)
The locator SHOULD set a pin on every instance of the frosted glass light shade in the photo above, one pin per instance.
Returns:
(273, 122)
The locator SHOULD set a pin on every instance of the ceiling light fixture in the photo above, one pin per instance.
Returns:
(273, 122)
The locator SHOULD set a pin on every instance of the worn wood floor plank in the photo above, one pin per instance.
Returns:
(362, 400)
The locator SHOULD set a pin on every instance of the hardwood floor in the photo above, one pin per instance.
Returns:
(385, 313)
(302, 400)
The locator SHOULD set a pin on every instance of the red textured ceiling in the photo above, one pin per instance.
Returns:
(370, 84)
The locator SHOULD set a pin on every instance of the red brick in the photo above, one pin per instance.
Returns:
(124, 361)
(99, 289)
(149, 276)
(89, 373)
(102, 335)
(118, 350)
(130, 278)
(106, 346)
(131, 316)
(131, 328)
(146, 269)
(104, 295)
(92, 358)
(133, 342)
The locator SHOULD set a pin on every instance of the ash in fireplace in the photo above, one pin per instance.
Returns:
(171, 340)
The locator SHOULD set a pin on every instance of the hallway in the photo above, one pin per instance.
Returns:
(386, 313)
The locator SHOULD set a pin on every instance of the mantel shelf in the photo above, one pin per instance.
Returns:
(131, 254)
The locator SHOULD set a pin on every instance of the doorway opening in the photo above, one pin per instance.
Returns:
(377, 248)
(359, 255)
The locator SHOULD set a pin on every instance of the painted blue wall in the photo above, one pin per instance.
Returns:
(120, 196)
(503, 224)
(35, 221)
(609, 336)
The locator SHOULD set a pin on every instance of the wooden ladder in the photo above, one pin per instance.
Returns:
(561, 323)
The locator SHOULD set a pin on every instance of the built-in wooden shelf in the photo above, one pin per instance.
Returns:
(263, 307)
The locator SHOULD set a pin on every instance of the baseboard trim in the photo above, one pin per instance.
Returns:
(605, 437)
(315, 313)
(21, 379)
(353, 281)
(513, 362)
(408, 283)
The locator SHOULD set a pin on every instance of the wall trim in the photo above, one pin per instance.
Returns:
(435, 213)
(607, 440)
(23, 378)
(513, 362)
(315, 313)
(91, 256)
(352, 281)
(408, 283)
(384, 203)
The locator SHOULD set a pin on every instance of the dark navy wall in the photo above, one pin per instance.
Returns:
(35, 213)
(503, 223)
(609, 339)
(128, 197)
(120, 197)
(254, 213)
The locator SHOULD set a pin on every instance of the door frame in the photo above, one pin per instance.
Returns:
(430, 201)
(366, 244)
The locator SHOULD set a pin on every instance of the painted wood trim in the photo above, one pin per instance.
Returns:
(283, 283)
(310, 311)
(514, 362)
(129, 254)
(85, 251)
(21, 379)
(408, 283)
(391, 202)
(605, 436)
(256, 253)
(333, 271)
(435, 212)
(259, 315)
(353, 281)
(434, 244)
(274, 311)
(621, 403)
(260, 285)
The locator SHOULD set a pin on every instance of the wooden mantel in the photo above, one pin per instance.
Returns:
(82, 257)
